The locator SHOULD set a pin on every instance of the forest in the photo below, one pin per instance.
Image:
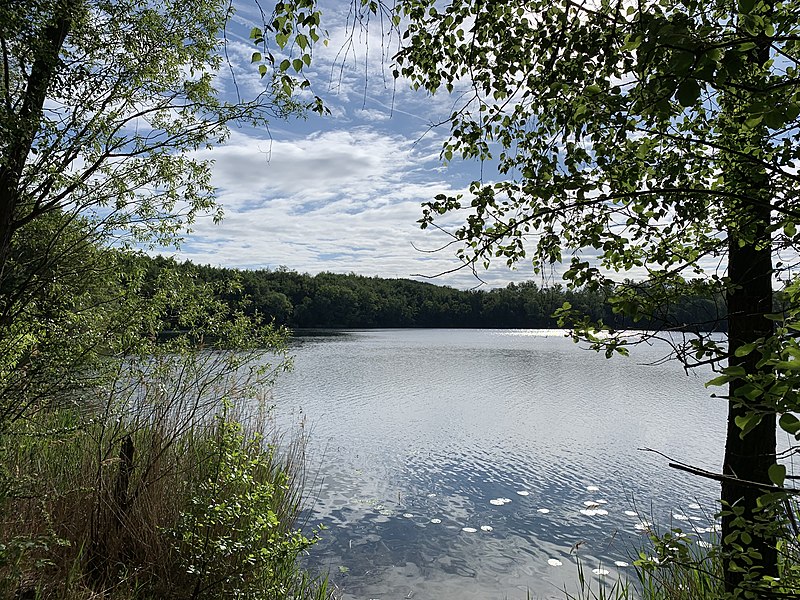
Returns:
(331, 300)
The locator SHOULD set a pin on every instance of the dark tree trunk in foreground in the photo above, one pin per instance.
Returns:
(750, 457)
(18, 141)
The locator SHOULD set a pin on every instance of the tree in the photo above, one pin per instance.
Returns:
(103, 104)
(653, 139)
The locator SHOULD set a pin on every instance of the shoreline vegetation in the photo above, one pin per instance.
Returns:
(135, 465)
(656, 138)
(350, 301)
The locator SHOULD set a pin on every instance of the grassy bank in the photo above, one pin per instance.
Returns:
(163, 489)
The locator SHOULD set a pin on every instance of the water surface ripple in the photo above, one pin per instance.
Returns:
(409, 426)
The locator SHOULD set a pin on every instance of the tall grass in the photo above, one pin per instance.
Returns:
(159, 486)
(602, 589)
(675, 566)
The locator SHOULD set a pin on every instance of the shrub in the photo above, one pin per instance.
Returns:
(155, 488)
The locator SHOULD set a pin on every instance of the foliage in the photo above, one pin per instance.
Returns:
(231, 539)
(106, 413)
(153, 478)
(104, 104)
(330, 300)
(656, 141)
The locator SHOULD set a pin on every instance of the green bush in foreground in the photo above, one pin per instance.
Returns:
(232, 535)
(162, 492)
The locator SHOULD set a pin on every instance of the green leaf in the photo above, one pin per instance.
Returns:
(789, 228)
(297, 65)
(734, 371)
(753, 121)
(746, 6)
(789, 423)
(744, 349)
(285, 64)
(774, 119)
(256, 57)
(688, 92)
(721, 380)
(777, 474)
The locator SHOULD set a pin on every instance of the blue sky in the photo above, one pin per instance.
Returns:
(339, 193)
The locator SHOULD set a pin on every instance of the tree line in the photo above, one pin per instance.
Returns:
(333, 300)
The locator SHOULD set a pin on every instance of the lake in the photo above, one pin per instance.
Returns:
(416, 435)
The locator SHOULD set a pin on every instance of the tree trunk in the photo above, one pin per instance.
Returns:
(749, 544)
(749, 457)
(27, 121)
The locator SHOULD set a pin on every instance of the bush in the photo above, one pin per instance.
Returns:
(230, 539)
(160, 491)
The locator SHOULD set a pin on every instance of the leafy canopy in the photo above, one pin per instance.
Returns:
(615, 130)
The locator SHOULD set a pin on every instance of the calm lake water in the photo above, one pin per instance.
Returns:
(418, 434)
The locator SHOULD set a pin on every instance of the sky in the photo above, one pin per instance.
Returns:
(343, 192)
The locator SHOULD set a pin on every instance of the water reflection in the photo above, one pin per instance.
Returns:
(422, 436)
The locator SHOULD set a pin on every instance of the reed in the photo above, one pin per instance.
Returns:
(162, 485)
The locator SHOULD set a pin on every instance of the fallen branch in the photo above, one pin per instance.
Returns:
(721, 477)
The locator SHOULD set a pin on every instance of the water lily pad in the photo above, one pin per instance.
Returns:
(554, 562)
(487, 528)
(499, 501)
(468, 529)
(523, 493)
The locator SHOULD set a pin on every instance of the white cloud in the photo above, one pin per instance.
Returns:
(373, 115)
(341, 193)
